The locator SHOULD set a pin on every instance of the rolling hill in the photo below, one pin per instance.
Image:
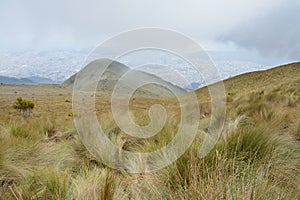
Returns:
(116, 70)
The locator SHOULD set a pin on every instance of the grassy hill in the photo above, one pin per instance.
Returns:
(260, 80)
(257, 156)
(116, 70)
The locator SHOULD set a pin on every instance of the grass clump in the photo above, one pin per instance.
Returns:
(96, 183)
(252, 162)
(46, 183)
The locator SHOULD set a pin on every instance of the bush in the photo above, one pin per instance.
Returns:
(24, 106)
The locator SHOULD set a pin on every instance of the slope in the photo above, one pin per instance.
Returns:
(116, 70)
(257, 81)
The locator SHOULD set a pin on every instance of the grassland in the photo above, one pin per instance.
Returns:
(257, 157)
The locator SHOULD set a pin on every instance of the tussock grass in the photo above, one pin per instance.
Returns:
(296, 129)
(254, 159)
(45, 183)
(252, 163)
(257, 156)
(96, 183)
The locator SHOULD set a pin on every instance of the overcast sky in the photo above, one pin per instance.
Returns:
(268, 27)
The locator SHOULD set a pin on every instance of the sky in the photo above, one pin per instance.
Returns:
(267, 28)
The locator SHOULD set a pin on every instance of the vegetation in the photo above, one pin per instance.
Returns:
(24, 106)
(257, 157)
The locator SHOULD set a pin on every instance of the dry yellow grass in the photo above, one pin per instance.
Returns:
(257, 157)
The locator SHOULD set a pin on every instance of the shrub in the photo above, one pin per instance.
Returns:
(71, 114)
(24, 106)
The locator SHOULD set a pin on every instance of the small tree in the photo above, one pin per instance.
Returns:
(24, 106)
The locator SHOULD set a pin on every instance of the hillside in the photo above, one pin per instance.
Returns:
(116, 70)
(260, 80)
(263, 79)
(271, 96)
(256, 157)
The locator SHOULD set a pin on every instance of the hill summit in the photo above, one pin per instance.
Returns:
(116, 70)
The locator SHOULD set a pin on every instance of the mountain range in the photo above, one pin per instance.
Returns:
(33, 80)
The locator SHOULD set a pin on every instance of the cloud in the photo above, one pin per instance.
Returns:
(69, 24)
(275, 33)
